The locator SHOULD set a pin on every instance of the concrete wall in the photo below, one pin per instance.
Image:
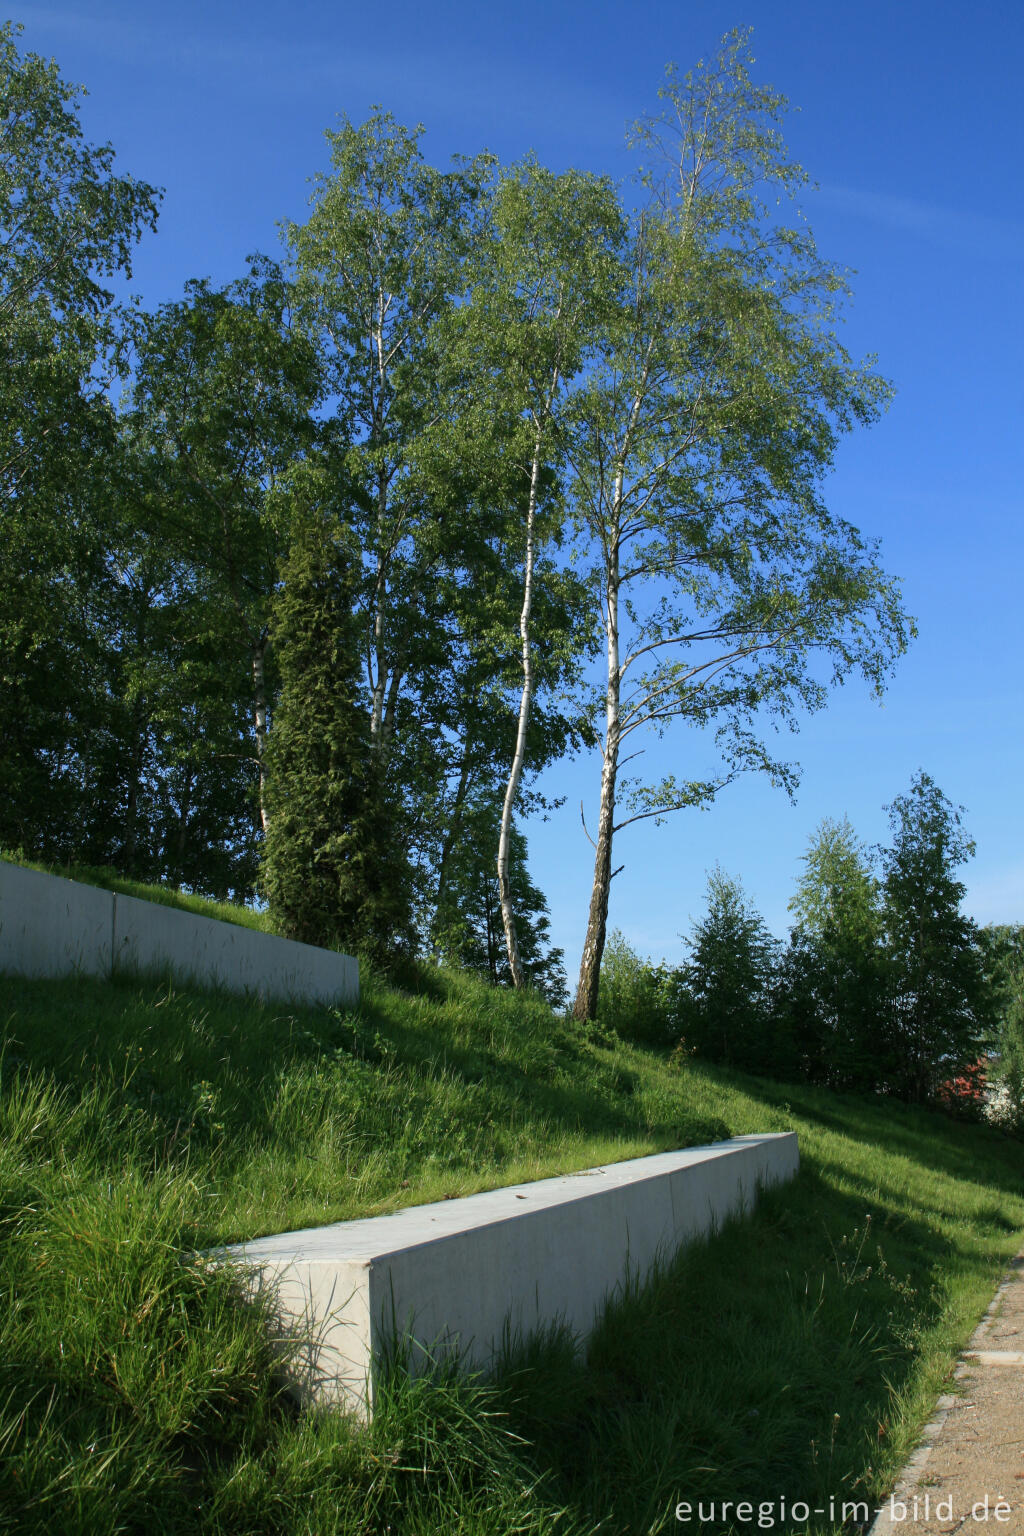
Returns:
(55, 927)
(456, 1274)
(213, 953)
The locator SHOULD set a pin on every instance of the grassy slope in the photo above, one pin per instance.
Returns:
(795, 1354)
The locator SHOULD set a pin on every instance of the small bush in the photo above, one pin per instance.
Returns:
(635, 997)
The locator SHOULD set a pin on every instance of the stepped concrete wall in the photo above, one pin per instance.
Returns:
(53, 927)
(458, 1274)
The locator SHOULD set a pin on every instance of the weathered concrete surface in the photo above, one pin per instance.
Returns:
(455, 1275)
(53, 927)
(968, 1473)
(154, 940)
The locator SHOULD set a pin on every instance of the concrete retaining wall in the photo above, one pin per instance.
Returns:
(55, 927)
(457, 1274)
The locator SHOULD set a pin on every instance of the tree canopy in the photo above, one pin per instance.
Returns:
(338, 541)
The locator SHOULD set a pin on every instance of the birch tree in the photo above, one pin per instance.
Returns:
(728, 592)
(942, 1002)
(379, 264)
(543, 283)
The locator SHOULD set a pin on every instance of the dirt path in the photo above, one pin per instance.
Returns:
(968, 1473)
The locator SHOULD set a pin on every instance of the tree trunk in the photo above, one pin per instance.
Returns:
(131, 836)
(451, 836)
(380, 680)
(259, 712)
(585, 1006)
(184, 812)
(508, 917)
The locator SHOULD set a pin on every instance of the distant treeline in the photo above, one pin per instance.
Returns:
(884, 985)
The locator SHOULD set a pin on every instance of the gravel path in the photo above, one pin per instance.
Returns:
(968, 1473)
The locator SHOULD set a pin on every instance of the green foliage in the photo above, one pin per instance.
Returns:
(1002, 949)
(450, 350)
(334, 868)
(542, 283)
(700, 441)
(218, 425)
(834, 981)
(465, 927)
(67, 223)
(725, 1007)
(635, 999)
(139, 1124)
(837, 896)
(942, 1004)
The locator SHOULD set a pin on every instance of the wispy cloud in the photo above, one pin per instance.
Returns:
(956, 229)
(458, 79)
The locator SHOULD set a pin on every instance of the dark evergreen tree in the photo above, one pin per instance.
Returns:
(942, 1003)
(726, 1009)
(833, 990)
(335, 871)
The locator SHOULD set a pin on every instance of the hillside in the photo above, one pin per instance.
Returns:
(795, 1354)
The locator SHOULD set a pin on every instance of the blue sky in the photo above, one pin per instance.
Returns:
(909, 120)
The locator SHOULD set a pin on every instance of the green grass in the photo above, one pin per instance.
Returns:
(164, 895)
(794, 1354)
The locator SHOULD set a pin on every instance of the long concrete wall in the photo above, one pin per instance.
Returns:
(50, 926)
(457, 1274)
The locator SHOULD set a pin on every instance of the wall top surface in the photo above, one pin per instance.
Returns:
(363, 1240)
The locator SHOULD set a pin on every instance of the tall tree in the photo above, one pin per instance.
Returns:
(381, 267)
(220, 419)
(425, 473)
(68, 224)
(943, 1004)
(379, 264)
(543, 282)
(698, 449)
(729, 979)
(834, 973)
(334, 868)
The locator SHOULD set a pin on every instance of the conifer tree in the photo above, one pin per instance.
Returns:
(942, 1002)
(727, 1011)
(834, 972)
(334, 867)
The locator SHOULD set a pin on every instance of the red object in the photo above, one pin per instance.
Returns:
(967, 1090)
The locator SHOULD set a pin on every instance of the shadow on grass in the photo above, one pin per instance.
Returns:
(761, 1364)
(170, 1054)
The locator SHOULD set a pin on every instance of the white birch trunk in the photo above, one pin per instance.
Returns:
(259, 714)
(508, 918)
(585, 1005)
